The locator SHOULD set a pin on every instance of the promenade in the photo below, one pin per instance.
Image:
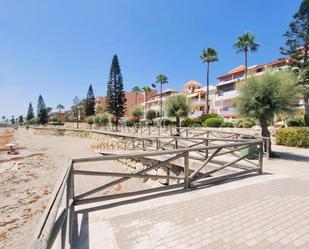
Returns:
(268, 211)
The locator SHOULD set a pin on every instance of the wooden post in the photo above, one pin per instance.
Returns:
(206, 143)
(187, 132)
(261, 157)
(168, 173)
(70, 207)
(186, 171)
(176, 143)
(157, 143)
(125, 143)
(143, 144)
(171, 130)
(267, 148)
(149, 130)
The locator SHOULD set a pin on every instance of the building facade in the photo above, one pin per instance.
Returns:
(133, 99)
(153, 103)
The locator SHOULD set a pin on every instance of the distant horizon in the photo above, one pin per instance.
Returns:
(58, 50)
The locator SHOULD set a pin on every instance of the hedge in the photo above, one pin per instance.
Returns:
(213, 122)
(292, 136)
(295, 122)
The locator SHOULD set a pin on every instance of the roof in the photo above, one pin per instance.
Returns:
(193, 82)
(241, 68)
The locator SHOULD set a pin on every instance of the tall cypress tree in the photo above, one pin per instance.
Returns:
(90, 102)
(30, 113)
(297, 47)
(41, 111)
(116, 101)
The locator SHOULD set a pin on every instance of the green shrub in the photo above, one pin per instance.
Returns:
(151, 115)
(129, 123)
(54, 119)
(166, 122)
(101, 119)
(245, 123)
(33, 121)
(187, 122)
(227, 124)
(213, 122)
(90, 120)
(294, 137)
(295, 122)
(199, 121)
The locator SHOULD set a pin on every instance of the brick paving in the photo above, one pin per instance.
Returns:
(268, 211)
(272, 214)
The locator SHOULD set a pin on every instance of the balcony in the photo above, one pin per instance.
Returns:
(195, 114)
(154, 107)
(198, 102)
(227, 111)
(227, 95)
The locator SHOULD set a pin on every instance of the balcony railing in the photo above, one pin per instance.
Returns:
(227, 95)
(196, 114)
(228, 111)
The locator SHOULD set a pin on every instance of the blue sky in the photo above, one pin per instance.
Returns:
(57, 48)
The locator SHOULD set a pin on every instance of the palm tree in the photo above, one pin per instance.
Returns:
(208, 56)
(59, 108)
(136, 90)
(3, 119)
(161, 79)
(146, 90)
(245, 43)
(177, 106)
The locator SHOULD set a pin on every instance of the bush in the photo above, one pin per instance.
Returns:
(101, 119)
(213, 122)
(54, 119)
(166, 122)
(199, 121)
(295, 122)
(294, 137)
(90, 120)
(227, 124)
(187, 122)
(245, 123)
(33, 121)
(151, 115)
(129, 123)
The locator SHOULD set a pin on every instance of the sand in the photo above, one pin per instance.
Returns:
(27, 180)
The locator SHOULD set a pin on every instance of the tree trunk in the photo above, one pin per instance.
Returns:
(266, 133)
(306, 104)
(207, 94)
(161, 104)
(246, 64)
(178, 125)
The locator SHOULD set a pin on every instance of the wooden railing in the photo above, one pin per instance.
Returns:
(186, 132)
(57, 223)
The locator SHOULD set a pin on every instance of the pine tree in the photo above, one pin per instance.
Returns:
(90, 102)
(41, 111)
(297, 47)
(21, 119)
(116, 101)
(30, 113)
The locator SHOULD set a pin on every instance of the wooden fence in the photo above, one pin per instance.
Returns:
(57, 222)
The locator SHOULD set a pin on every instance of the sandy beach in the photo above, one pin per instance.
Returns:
(27, 179)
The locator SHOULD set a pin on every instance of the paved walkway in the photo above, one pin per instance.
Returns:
(269, 211)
